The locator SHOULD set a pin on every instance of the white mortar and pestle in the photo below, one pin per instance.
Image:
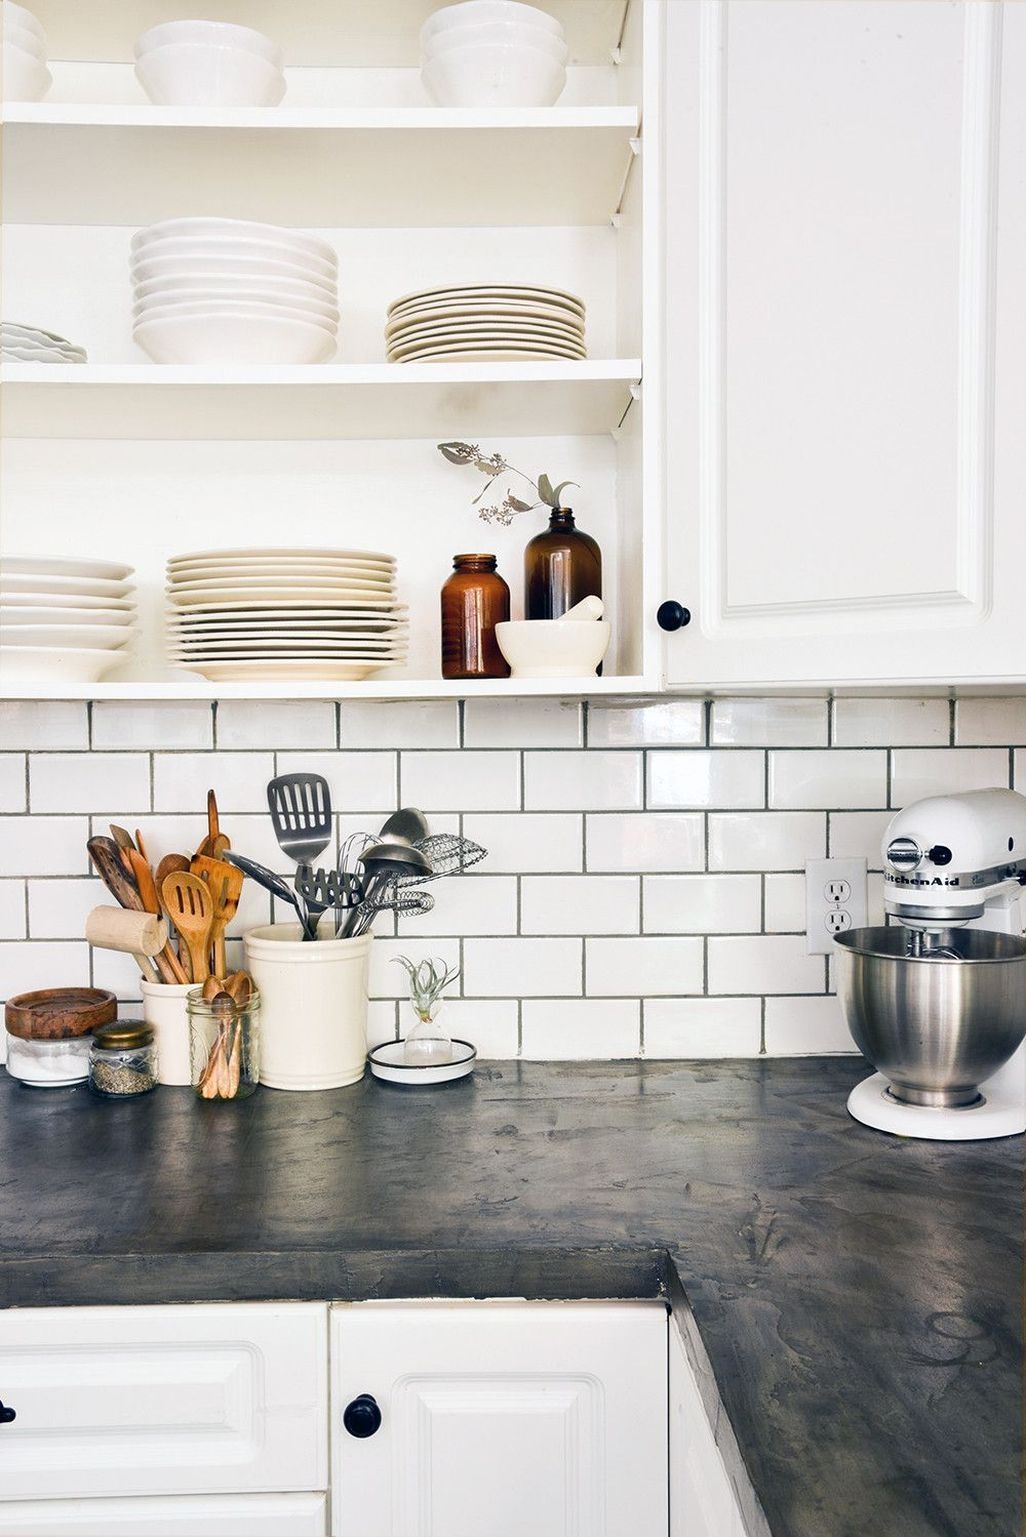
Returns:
(571, 646)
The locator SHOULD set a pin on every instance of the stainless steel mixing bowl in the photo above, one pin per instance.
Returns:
(936, 1026)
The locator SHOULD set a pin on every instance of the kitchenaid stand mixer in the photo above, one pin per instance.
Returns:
(937, 1002)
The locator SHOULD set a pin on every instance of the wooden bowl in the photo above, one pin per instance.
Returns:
(58, 1013)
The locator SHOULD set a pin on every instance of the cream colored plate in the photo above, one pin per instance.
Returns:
(512, 325)
(220, 596)
(363, 585)
(362, 576)
(302, 645)
(93, 637)
(489, 291)
(66, 601)
(16, 613)
(269, 552)
(472, 312)
(55, 586)
(213, 567)
(310, 607)
(499, 354)
(313, 671)
(86, 570)
(488, 340)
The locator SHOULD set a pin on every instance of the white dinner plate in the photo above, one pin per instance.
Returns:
(56, 586)
(492, 341)
(34, 333)
(297, 671)
(279, 562)
(276, 595)
(18, 613)
(243, 607)
(489, 355)
(109, 638)
(32, 598)
(503, 322)
(285, 552)
(275, 570)
(330, 628)
(363, 586)
(490, 291)
(27, 565)
(458, 313)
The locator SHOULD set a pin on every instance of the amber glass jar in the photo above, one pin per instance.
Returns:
(474, 600)
(561, 566)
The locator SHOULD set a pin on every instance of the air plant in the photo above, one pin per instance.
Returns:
(495, 467)
(428, 981)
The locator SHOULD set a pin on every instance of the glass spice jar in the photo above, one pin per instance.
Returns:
(224, 1045)
(123, 1060)
(474, 600)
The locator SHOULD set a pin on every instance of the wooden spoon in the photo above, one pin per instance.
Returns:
(117, 878)
(168, 964)
(225, 883)
(240, 987)
(188, 904)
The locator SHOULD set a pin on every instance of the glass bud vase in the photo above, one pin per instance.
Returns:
(428, 1043)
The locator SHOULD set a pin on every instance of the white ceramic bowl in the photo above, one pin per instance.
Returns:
(496, 34)
(25, 79)
(193, 304)
(20, 17)
(228, 232)
(474, 12)
(238, 338)
(203, 247)
(201, 75)
(223, 34)
(148, 268)
(494, 75)
(551, 648)
(25, 39)
(235, 286)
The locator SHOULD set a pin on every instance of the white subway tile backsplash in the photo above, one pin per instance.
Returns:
(399, 723)
(832, 777)
(765, 840)
(563, 1030)
(642, 840)
(13, 789)
(521, 723)
(795, 722)
(647, 723)
(701, 904)
(702, 1027)
(136, 723)
(704, 779)
(763, 963)
(877, 722)
(797, 1026)
(583, 781)
(580, 904)
(38, 726)
(461, 781)
(12, 910)
(632, 968)
(526, 842)
(308, 724)
(923, 771)
(43, 845)
(522, 968)
(239, 779)
(104, 784)
(992, 722)
(612, 916)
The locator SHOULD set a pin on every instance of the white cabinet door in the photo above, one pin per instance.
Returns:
(157, 1400)
(846, 342)
(702, 1499)
(202, 1515)
(501, 1420)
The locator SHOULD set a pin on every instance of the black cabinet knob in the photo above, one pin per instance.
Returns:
(362, 1417)
(672, 616)
(6, 1414)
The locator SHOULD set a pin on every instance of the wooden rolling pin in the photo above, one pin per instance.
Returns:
(142, 935)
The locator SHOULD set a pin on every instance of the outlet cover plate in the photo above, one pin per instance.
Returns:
(835, 900)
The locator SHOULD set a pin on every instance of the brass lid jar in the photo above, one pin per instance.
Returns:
(123, 1060)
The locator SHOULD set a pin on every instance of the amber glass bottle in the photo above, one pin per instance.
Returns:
(474, 600)
(561, 566)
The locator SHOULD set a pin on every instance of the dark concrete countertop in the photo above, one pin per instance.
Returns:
(858, 1296)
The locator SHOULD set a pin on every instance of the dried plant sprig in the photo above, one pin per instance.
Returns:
(493, 467)
(428, 981)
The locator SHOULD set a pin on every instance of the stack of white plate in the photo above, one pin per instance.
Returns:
(286, 613)
(30, 345)
(485, 323)
(233, 291)
(63, 619)
(209, 64)
(493, 53)
(26, 77)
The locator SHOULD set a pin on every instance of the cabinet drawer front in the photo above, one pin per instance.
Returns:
(156, 1400)
(203, 1515)
(501, 1419)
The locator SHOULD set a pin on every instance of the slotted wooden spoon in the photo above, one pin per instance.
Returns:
(187, 901)
(225, 882)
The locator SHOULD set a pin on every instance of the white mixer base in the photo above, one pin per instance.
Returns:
(1002, 1114)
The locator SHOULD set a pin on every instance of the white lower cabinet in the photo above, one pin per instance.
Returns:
(702, 1498)
(192, 1515)
(500, 1419)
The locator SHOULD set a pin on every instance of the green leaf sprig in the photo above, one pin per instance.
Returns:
(494, 467)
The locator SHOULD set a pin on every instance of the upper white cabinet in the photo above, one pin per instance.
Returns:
(846, 340)
(500, 1418)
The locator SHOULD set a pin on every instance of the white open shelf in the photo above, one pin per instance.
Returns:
(327, 400)
(365, 166)
(385, 688)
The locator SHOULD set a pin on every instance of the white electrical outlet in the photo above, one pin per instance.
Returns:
(835, 901)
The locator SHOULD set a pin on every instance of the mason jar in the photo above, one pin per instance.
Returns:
(224, 1045)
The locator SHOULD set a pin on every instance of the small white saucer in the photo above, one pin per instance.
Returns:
(386, 1061)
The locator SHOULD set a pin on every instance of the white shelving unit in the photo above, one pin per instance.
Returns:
(134, 461)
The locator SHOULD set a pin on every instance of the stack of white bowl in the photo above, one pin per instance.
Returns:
(65, 620)
(26, 77)
(209, 64)
(493, 53)
(30, 345)
(231, 291)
